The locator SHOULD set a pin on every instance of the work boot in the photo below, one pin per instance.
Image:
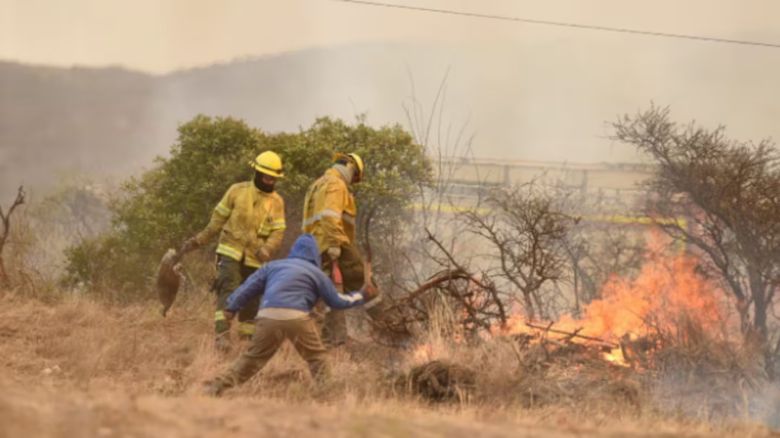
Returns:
(221, 325)
(213, 388)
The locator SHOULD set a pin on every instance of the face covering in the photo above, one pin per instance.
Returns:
(263, 187)
(347, 172)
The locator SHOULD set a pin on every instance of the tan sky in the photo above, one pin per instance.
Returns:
(525, 91)
(164, 35)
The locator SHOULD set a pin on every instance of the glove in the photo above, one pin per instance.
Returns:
(189, 245)
(369, 292)
(334, 252)
(262, 255)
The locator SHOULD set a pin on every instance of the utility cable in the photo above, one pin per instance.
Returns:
(564, 24)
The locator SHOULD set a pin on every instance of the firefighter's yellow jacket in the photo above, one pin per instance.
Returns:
(329, 211)
(248, 220)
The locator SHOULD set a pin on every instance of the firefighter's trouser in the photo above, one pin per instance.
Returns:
(230, 275)
(334, 325)
(268, 337)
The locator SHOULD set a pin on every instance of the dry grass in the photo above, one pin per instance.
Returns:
(80, 368)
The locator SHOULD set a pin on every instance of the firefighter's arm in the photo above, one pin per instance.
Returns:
(331, 221)
(272, 243)
(272, 233)
(335, 299)
(219, 216)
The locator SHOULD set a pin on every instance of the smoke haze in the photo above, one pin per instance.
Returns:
(526, 92)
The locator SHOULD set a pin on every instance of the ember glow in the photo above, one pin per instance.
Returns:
(423, 353)
(615, 356)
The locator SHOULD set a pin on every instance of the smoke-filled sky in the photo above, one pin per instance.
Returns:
(164, 35)
(534, 92)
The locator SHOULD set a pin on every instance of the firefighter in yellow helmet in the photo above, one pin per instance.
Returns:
(250, 222)
(329, 214)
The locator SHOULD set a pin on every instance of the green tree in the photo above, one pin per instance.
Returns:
(174, 199)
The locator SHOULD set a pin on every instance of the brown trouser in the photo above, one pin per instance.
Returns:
(268, 337)
(334, 328)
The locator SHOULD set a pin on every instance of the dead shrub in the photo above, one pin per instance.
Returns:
(439, 381)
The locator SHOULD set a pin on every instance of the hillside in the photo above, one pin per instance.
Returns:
(71, 120)
(539, 103)
(56, 122)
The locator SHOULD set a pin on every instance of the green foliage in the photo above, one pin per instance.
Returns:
(174, 200)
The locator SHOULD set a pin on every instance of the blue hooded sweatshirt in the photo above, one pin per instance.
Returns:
(293, 283)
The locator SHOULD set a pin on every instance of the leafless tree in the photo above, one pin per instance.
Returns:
(599, 243)
(598, 251)
(525, 234)
(78, 209)
(5, 217)
(729, 191)
(426, 278)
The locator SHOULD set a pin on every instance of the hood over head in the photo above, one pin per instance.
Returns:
(305, 247)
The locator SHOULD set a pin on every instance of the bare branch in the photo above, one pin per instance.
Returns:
(6, 221)
(728, 192)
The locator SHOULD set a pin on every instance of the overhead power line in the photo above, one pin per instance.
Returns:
(564, 24)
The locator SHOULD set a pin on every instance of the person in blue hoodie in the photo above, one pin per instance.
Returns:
(289, 288)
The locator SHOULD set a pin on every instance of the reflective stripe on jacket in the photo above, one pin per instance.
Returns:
(248, 220)
(329, 211)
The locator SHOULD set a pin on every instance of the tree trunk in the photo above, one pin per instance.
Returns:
(5, 282)
(539, 307)
(759, 335)
(576, 292)
(529, 307)
(760, 306)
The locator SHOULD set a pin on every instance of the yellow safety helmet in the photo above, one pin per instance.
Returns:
(268, 163)
(355, 158)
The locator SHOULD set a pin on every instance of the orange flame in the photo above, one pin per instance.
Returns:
(423, 353)
(615, 356)
(666, 291)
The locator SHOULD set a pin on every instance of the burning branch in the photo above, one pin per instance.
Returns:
(570, 335)
(476, 301)
(403, 312)
(6, 220)
(435, 281)
(489, 288)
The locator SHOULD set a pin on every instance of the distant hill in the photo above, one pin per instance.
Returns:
(111, 121)
(521, 102)
(55, 120)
